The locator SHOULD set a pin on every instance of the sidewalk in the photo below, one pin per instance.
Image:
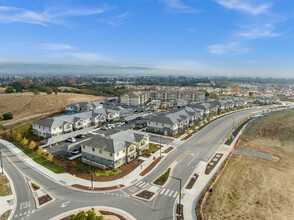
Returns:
(68, 180)
(192, 195)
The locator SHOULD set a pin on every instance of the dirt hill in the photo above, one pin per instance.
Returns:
(29, 106)
(254, 188)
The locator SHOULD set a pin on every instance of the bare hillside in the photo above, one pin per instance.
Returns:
(27, 104)
(254, 188)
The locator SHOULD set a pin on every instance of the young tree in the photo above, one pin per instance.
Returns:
(50, 157)
(18, 137)
(32, 145)
(193, 127)
(40, 151)
(7, 133)
(188, 131)
(24, 142)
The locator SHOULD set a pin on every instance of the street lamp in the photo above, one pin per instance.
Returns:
(233, 122)
(91, 174)
(160, 146)
(180, 193)
(1, 161)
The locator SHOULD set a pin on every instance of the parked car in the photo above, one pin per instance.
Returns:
(81, 135)
(75, 152)
(71, 139)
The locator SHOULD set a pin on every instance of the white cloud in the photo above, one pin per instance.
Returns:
(54, 46)
(116, 20)
(244, 5)
(49, 15)
(178, 6)
(257, 33)
(231, 48)
(265, 31)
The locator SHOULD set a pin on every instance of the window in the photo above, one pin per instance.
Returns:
(83, 147)
(111, 154)
(100, 151)
(162, 124)
(93, 149)
(117, 154)
(124, 151)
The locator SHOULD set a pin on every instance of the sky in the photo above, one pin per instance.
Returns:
(193, 37)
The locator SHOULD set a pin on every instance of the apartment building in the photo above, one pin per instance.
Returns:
(135, 98)
(114, 150)
(84, 106)
(191, 96)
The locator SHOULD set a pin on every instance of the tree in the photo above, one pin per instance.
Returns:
(40, 151)
(49, 90)
(7, 116)
(199, 124)
(229, 136)
(24, 142)
(89, 215)
(36, 92)
(193, 127)
(188, 131)
(9, 89)
(32, 145)
(18, 137)
(50, 157)
(13, 134)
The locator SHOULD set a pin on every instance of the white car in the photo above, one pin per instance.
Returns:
(70, 139)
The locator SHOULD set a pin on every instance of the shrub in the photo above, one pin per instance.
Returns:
(91, 214)
(110, 173)
(7, 116)
(9, 89)
(163, 178)
(193, 127)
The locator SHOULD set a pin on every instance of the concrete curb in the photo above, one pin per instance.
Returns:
(95, 207)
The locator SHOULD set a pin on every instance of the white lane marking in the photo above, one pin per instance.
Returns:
(176, 193)
(141, 184)
(145, 185)
(64, 204)
(162, 191)
(171, 192)
(192, 159)
(167, 191)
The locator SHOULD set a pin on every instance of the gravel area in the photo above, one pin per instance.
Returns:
(255, 154)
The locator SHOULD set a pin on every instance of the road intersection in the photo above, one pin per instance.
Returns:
(200, 147)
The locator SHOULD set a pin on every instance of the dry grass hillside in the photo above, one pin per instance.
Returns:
(254, 188)
(27, 105)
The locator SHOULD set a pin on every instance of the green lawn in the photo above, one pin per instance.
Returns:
(23, 130)
(153, 147)
(104, 173)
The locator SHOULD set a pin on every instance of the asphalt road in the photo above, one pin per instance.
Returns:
(200, 147)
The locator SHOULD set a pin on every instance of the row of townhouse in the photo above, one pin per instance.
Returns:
(50, 127)
(114, 150)
(191, 96)
(84, 106)
(267, 100)
(173, 122)
(135, 98)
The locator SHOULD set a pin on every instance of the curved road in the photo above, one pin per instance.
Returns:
(200, 147)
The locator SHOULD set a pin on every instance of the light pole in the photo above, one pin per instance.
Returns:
(91, 174)
(180, 193)
(233, 122)
(1, 161)
(160, 146)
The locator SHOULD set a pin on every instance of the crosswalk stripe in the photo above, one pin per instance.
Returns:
(167, 191)
(162, 191)
(145, 185)
(141, 184)
(171, 192)
(176, 193)
(138, 183)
